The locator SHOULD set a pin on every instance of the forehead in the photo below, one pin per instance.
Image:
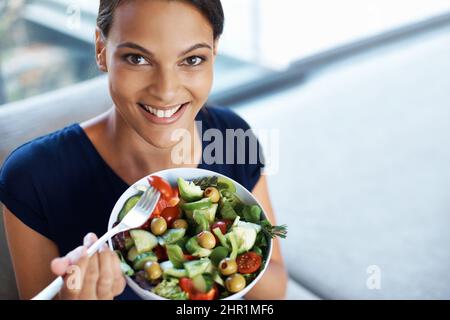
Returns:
(154, 23)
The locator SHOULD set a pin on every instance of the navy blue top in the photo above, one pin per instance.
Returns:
(61, 187)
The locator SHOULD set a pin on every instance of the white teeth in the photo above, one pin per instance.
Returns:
(161, 113)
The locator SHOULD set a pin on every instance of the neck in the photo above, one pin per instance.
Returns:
(139, 157)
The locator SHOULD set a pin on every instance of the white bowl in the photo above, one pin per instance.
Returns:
(171, 175)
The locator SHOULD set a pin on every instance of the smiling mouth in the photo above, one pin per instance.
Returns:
(162, 113)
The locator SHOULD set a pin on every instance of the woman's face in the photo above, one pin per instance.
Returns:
(159, 56)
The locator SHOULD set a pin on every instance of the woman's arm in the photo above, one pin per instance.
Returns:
(36, 264)
(31, 254)
(274, 282)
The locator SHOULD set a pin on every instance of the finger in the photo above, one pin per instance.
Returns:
(89, 290)
(119, 278)
(76, 254)
(73, 280)
(106, 275)
(89, 239)
(59, 265)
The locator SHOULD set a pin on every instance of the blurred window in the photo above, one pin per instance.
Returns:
(48, 44)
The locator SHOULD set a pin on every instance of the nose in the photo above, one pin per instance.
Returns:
(164, 86)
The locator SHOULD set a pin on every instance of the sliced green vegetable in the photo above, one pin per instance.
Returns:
(210, 212)
(143, 240)
(204, 203)
(201, 220)
(172, 235)
(177, 273)
(132, 254)
(176, 255)
(225, 184)
(195, 249)
(218, 254)
(203, 282)
(139, 262)
(189, 191)
(126, 269)
(252, 213)
(196, 267)
(231, 237)
(257, 250)
(217, 278)
(170, 289)
(129, 204)
(227, 211)
(221, 237)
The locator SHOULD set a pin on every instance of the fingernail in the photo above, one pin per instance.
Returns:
(89, 239)
(104, 247)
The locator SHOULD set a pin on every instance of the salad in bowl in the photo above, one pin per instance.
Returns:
(207, 238)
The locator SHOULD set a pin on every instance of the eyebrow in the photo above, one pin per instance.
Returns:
(149, 53)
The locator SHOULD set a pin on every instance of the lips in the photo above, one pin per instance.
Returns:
(163, 115)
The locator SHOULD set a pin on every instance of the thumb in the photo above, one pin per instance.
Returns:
(60, 265)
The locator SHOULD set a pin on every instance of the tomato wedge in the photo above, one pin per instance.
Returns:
(169, 198)
(248, 262)
(187, 286)
(162, 185)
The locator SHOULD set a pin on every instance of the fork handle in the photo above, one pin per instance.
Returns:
(53, 288)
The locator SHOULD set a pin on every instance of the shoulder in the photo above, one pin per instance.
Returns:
(226, 118)
(35, 155)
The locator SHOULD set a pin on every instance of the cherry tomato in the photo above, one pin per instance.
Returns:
(187, 286)
(170, 214)
(248, 262)
(223, 225)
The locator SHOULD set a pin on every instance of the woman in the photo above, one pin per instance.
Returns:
(159, 56)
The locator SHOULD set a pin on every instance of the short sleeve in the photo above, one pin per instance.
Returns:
(19, 191)
(254, 161)
(248, 155)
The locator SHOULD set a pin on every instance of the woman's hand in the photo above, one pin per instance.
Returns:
(89, 278)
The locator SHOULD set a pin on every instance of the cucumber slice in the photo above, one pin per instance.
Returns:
(196, 267)
(143, 240)
(202, 283)
(129, 204)
(139, 262)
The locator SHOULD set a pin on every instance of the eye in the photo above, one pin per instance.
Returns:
(135, 59)
(194, 61)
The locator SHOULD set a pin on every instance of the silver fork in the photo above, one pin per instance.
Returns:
(135, 218)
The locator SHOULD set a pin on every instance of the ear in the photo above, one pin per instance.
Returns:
(216, 47)
(100, 50)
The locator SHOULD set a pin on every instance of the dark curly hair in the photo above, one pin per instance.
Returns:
(211, 9)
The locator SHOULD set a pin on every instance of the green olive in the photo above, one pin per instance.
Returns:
(206, 240)
(213, 194)
(158, 226)
(235, 283)
(180, 224)
(228, 266)
(153, 270)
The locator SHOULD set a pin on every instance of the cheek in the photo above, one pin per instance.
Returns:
(124, 83)
(199, 84)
